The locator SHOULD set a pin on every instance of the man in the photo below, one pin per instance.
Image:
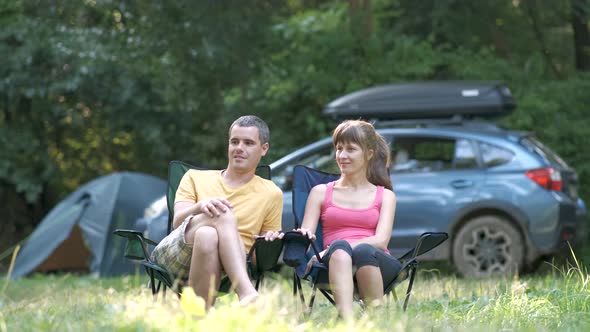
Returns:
(218, 215)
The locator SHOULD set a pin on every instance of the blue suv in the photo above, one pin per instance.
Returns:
(505, 199)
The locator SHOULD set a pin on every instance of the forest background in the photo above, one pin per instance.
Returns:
(97, 86)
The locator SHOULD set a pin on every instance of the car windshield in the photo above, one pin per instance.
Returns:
(538, 148)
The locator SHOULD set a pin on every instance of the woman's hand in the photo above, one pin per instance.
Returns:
(313, 259)
(306, 232)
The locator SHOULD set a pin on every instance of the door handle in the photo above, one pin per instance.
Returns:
(459, 184)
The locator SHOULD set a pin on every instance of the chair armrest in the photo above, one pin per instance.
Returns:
(128, 233)
(426, 242)
(136, 246)
(267, 254)
(159, 273)
(296, 246)
(296, 251)
(402, 275)
(316, 268)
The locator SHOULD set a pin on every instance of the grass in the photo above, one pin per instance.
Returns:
(555, 300)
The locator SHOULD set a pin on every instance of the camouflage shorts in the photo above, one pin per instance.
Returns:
(174, 253)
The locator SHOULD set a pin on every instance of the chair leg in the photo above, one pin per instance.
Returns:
(178, 288)
(412, 276)
(259, 281)
(158, 287)
(328, 296)
(152, 282)
(310, 307)
(298, 289)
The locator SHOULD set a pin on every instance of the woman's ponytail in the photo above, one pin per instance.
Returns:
(378, 168)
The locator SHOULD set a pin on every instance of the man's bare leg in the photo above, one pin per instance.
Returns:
(230, 252)
(233, 256)
(205, 269)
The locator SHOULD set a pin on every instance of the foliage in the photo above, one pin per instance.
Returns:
(556, 112)
(92, 87)
(101, 86)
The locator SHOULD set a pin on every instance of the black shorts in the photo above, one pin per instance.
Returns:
(365, 254)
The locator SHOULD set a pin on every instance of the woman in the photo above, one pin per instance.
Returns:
(357, 217)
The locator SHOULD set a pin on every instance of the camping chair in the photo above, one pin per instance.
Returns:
(298, 248)
(267, 252)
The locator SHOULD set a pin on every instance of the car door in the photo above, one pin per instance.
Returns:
(433, 178)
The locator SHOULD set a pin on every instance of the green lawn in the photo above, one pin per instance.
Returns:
(553, 300)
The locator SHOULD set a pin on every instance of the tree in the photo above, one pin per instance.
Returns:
(360, 14)
(88, 88)
(580, 14)
(95, 87)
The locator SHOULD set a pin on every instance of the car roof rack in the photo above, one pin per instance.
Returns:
(456, 120)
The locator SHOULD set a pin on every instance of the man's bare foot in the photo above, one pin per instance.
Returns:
(248, 299)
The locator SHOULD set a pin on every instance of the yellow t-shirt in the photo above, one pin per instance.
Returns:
(258, 204)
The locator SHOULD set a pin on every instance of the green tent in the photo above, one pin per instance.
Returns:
(77, 234)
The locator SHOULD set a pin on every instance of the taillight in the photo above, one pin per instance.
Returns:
(547, 178)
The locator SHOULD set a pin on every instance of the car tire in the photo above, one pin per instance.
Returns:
(488, 246)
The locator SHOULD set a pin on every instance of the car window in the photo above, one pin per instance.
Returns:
(465, 157)
(493, 155)
(322, 159)
(538, 148)
(431, 154)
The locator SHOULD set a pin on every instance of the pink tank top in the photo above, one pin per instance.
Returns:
(340, 223)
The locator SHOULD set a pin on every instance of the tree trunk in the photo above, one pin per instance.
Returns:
(531, 10)
(361, 18)
(353, 13)
(368, 19)
(579, 18)
(499, 42)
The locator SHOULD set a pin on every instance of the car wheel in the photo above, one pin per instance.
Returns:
(487, 246)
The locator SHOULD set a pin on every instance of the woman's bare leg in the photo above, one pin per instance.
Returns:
(340, 273)
(370, 284)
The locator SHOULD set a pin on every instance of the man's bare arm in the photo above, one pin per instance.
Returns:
(212, 207)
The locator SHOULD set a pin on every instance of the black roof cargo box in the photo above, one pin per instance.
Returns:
(425, 100)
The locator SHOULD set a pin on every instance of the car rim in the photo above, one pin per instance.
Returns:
(488, 251)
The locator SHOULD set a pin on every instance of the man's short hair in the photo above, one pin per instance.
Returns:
(253, 121)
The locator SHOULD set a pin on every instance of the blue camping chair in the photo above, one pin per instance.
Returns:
(266, 252)
(298, 248)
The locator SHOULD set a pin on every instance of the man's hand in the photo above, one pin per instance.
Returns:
(214, 207)
(270, 235)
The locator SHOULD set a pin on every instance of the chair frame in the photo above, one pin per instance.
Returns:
(426, 242)
(160, 278)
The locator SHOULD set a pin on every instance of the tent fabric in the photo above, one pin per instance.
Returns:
(70, 255)
(155, 227)
(109, 202)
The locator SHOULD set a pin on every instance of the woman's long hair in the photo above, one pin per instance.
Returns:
(364, 134)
